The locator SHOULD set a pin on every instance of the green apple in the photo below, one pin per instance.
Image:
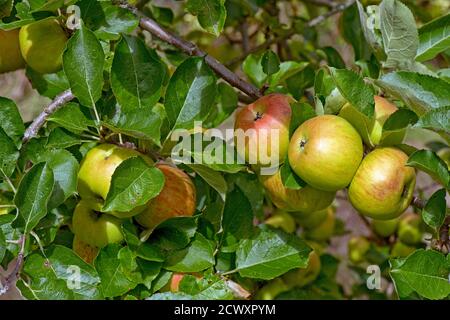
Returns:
(86, 252)
(409, 229)
(94, 228)
(385, 228)
(325, 152)
(4, 201)
(306, 199)
(262, 125)
(357, 249)
(304, 276)
(311, 220)
(383, 186)
(271, 290)
(323, 231)
(42, 44)
(444, 154)
(282, 220)
(10, 55)
(401, 250)
(176, 199)
(96, 170)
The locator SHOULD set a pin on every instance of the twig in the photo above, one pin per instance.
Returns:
(12, 277)
(39, 122)
(418, 203)
(312, 23)
(245, 38)
(322, 3)
(191, 49)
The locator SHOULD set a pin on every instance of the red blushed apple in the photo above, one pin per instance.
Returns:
(262, 130)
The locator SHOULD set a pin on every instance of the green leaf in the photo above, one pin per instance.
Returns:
(252, 67)
(270, 62)
(436, 119)
(287, 70)
(173, 234)
(11, 121)
(83, 63)
(419, 92)
(252, 189)
(198, 256)
(137, 74)
(32, 196)
(270, 253)
(60, 138)
(400, 119)
(301, 111)
(190, 94)
(354, 90)
(8, 155)
(133, 184)
(353, 32)
(289, 178)
(425, 272)
(48, 85)
(334, 58)
(114, 281)
(2, 245)
(399, 32)
(368, 25)
(435, 209)
(434, 37)
(213, 178)
(211, 14)
(72, 118)
(430, 163)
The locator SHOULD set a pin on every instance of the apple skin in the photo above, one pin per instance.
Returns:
(409, 229)
(306, 199)
(385, 228)
(94, 228)
(271, 290)
(42, 44)
(96, 171)
(311, 220)
(10, 55)
(282, 220)
(177, 199)
(302, 277)
(323, 231)
(325, 152)
(383, 186)
(86, 252)
(357, 249)
(401, 250)
(270, 112)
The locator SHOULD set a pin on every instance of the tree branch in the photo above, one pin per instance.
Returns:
(12, 277)
(418, 203)
(312, 23)
(39, 122)
(191, 49)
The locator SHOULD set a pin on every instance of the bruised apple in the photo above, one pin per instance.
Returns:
(10, 55)
(177, 198)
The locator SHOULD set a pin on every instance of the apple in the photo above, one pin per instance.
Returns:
(401, 250)
(258, 124)
(444, 154)
(357, 249)
(371, 130)
(94, 228)
(177, 198)
(5, 202)
(385, 228)
(409, 231)
(86, 252)
(10, 55)
(283, 220)
(323, 231)
(304, 276)
(96, 170)
(306, 199)
(325, 152)
(271, 290)
(311, 220)
(42, 44)
(383, 186)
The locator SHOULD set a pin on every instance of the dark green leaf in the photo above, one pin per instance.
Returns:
(48, 85)
(353, 33)
(435, 210)
(430, 163)
(434, 37)
(211, 14)
(72, 118)
(270, 62)
(11, 121)
(436, 119)
(8, 155)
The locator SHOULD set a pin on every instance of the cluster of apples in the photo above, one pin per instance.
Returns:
(39, 45)
(94, 228)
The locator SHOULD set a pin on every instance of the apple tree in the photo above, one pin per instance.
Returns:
(144, 176)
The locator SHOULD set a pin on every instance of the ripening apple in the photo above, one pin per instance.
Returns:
(10, 55)
(303, 276)
(311, 220)
(323, 231)
(262, 126)
(385, 228)
(282, 220)
(271, 290)
(383, 186)
(96, 171)
(357, 249)
(325, 152)
(86, 252)
(409, 229)
(306, 199)
(95, 228)
(42, 44)
(401, 250)
(176, 199)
